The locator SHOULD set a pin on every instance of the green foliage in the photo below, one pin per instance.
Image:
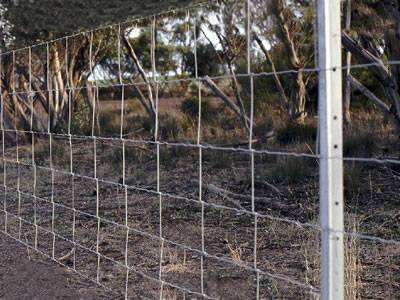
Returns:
(81, 122)
(208, 63)
(33, 23)
(164, 53)
(36, 20)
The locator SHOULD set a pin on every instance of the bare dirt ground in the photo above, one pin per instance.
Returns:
(24, 275)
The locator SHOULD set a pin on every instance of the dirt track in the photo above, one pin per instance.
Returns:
(36, 278)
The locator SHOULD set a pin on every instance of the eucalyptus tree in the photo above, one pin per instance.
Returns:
(281, 34)
(48, 76)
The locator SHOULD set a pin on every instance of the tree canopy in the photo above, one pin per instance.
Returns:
(38, 20)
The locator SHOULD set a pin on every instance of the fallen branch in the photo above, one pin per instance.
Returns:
(228, 195)
(224, 193)
(387, 110)
(218, 92)
(367, 93)
(270, 186)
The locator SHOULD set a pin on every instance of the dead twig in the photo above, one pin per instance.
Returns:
(67, 256)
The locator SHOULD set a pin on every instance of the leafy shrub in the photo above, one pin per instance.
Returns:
(81, 122)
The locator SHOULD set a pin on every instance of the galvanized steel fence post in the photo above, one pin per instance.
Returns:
(331, 148)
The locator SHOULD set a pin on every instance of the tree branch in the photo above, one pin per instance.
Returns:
(379, 69)
(285, 100)
(219, 93)
(142, 73)
(386, 109)
(367, 93)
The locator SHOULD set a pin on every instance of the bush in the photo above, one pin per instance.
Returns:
(291, 170)
(190, 107)
(169, 127)
(294, 133)
(81, 122)
(262, 129)
(109, 123)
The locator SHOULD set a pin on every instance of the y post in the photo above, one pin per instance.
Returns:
(331, 148)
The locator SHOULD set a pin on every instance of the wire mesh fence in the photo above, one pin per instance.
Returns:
(178, 155)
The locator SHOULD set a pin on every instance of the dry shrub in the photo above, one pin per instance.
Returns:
(293, 133)
(352, 266)
(352, 262)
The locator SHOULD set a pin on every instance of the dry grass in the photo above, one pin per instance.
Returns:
(173, 263)
(235, 251)
(352, 262)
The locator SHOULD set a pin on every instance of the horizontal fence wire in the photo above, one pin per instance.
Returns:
(206, 146)
(314, 226)
(160, 81)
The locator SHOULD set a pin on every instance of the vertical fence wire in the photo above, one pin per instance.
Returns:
(3, 148)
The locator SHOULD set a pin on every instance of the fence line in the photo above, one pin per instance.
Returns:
(205, 146)
(159, 81)
(330, 159)
(271, 217)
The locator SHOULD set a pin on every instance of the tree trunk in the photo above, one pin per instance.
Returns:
(151, 107)
(281, 90)
(298, 103)
(347, 90)
(298, 95)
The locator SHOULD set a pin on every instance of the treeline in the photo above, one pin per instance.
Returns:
(282, 37)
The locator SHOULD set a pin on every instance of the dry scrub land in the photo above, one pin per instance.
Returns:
(285, 187)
